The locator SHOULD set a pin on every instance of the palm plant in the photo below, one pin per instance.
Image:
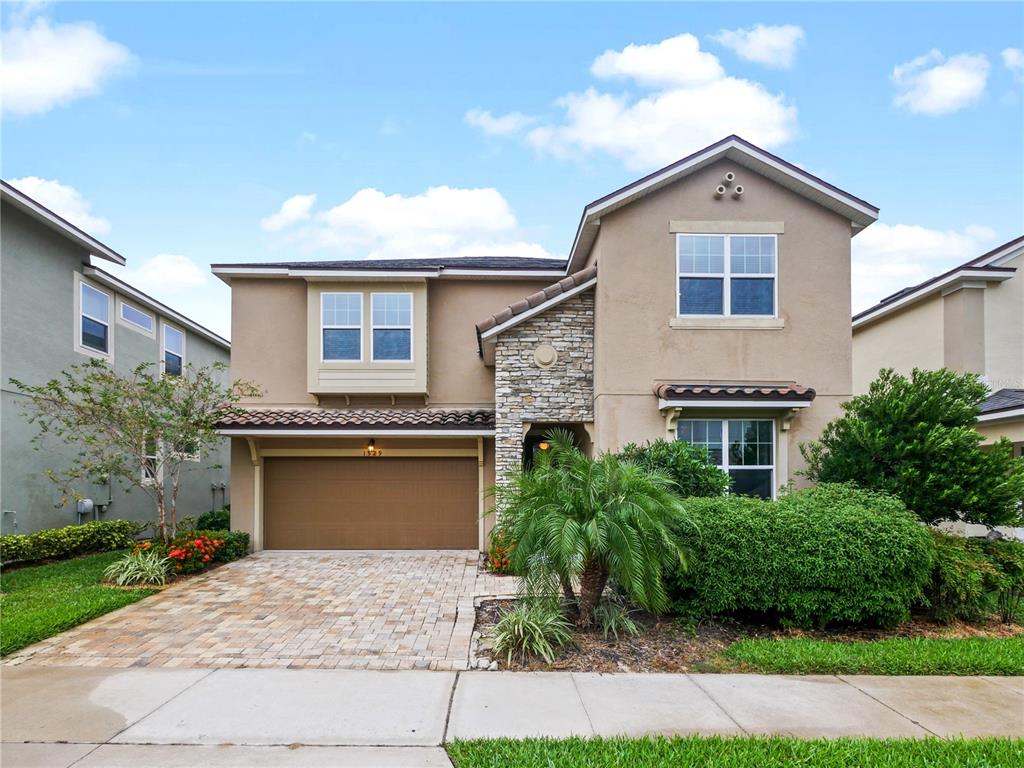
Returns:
(582, 521)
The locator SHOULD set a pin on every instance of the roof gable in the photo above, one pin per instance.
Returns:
(743, 153)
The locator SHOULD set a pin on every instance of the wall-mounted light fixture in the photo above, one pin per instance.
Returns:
(372, 450)
(543, 445)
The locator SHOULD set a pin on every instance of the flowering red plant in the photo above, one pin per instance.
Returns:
(193, 552)
(499, 554)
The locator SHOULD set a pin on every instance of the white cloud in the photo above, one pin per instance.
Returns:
(498, 125)
(691, 102)
(675, 61)
(888, 257)
(165, 273)
(292, 211)
(934, 85)
(1013, 60)
(46, 66)
(65, 201)
(441, 221)
(773, 46)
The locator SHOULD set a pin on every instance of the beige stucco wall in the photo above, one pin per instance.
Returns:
(1004, 330)
(636, 299)
(1011, 430)
(909, 339)
(270, 336)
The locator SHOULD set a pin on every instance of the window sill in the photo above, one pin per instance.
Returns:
(727, 323)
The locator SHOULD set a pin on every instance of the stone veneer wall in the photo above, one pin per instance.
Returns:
(526, 392)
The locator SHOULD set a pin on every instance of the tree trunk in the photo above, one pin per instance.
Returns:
(567, 590)
(592, 583)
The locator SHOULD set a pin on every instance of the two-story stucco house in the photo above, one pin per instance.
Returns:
(708, 302)
(969, 319)
(58, 309)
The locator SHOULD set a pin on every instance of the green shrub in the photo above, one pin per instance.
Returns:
(825, 555)
(1008, 557)
(962, 581)
(915, 437)
(689, 466)
(533, 628)
(235, 546)
(219, 520)
(138, 568)
(614, 619)
(70, 541)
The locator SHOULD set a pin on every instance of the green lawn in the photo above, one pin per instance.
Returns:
(739, 752)
(898, 656)
(42, 600)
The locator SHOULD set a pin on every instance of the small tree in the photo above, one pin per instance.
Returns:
(581, 520)
(915, 438)
(141, 428)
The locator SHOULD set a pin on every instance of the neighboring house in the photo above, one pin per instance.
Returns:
(968, 319)
(58, 309)
(708, 301)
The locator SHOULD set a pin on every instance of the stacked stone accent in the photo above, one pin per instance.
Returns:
(527, 392)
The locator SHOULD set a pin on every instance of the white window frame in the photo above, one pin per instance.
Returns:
(725, 466)
(155, 477)
(151, 332)
(342, 327)
(409, 327)
(727, 275)
(80, 345)
(163, 346)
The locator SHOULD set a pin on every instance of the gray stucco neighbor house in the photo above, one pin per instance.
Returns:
(57, 309)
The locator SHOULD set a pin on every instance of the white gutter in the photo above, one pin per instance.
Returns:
(140, 298)
(1007, 415)
(524, 316)
(384, 274)
(256, 432)
(703, 403)
(962, 275)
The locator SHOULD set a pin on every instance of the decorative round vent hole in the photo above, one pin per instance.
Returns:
(545, 356)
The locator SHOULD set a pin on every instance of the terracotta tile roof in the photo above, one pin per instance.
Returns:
(357, 418)
(1003, 400)
(536, 299)
(739, 391)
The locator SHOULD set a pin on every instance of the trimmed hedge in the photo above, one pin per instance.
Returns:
(70, 541)
(218, 520)
(825, 555)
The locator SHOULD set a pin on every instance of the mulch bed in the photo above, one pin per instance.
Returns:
(677, 644)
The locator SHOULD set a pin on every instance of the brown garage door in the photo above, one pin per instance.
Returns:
(363, 503)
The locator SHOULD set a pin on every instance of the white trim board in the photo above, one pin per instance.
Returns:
(784, 405)
(515, 320)
(253, 432)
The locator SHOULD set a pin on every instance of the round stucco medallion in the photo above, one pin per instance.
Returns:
(545, 355)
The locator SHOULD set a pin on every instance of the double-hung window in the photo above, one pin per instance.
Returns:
(341, 327)
(744, 448)
(94, 324)
(174, 351)
(152, 468)
(392, 326)
(726, 275)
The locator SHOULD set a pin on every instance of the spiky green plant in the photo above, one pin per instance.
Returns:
(614, 619)
(532, 628)
(138, 568)
(577, 520)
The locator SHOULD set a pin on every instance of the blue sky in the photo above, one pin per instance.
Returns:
(176, 132)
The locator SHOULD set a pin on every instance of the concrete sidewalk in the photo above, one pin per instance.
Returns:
(62, 716)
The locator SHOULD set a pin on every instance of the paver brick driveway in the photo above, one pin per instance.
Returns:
(331, 610)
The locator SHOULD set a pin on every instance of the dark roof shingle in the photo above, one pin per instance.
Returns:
(496, 263)
(357, 418)
(1003, 400)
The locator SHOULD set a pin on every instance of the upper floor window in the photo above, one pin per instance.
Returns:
(137, 317)
(392, 326)
(744, 448)
(94, 323)
(174, 351)
(341, 326)
(726, 275)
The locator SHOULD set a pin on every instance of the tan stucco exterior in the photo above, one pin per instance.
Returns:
(974, 326)
(638, 346)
